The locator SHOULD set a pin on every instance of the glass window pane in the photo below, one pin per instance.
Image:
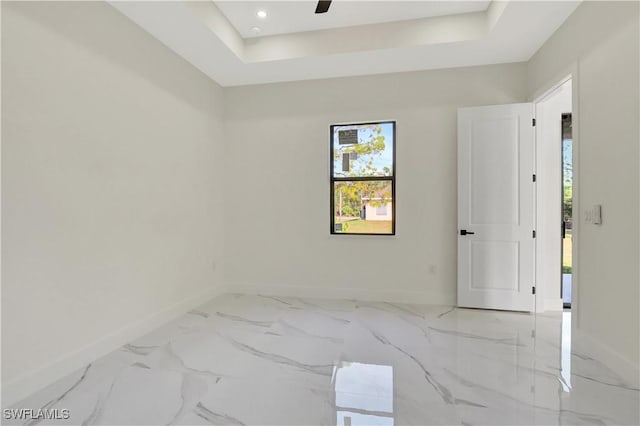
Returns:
(363, 150)
(363, 207)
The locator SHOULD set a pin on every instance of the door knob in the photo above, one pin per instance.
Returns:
(465, 232)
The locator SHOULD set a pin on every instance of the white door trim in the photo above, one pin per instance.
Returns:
(570, 73)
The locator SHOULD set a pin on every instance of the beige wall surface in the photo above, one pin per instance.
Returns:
(600, 43)
(111, 180)
(278, 158)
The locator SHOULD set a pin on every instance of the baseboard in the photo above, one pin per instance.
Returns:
(553, 305)
(591, 347)
(23, 386)
(396, 296)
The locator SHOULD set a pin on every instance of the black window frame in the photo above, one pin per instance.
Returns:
(334, 179)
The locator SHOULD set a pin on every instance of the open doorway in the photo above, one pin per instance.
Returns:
(567, 210)
(554, 213)
(554, 185)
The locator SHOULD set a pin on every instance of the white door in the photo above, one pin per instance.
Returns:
(496, 207)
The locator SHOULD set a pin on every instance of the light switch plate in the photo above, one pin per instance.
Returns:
(594, 215)
(597, 214)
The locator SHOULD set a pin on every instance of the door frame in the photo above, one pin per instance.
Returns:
(571, 73)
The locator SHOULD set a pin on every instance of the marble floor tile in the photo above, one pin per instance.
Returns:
(262, 360)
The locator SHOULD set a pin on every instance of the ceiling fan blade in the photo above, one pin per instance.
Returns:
(323, 6)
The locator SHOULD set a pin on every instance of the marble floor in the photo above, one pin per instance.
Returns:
(260, 360)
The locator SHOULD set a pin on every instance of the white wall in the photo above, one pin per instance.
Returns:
(111, 187)
(278, 158)
(549, 112)
(599, 43)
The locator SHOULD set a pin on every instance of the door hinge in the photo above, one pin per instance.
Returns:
(533, 121)
(533, 234)
(533, 178)
(533, 290)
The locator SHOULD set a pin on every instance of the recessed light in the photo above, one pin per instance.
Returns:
(256, 30)
(262, 14)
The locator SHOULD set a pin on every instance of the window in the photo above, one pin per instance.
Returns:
(363, 159)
